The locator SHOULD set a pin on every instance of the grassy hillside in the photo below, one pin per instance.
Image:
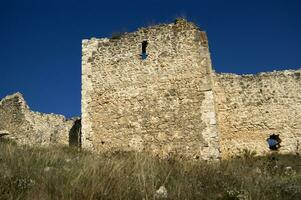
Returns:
(64, 173)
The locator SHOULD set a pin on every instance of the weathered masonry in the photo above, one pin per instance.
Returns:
(154, 90)
(150, 90)
(26, 127)
(250, 108)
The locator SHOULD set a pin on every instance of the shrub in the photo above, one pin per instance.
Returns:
(116, 35)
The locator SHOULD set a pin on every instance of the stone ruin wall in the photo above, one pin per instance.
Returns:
(163, 104)
(33, 128)
(252, 107)
(169, 104)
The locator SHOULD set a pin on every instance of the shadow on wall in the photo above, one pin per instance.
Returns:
(75, 134)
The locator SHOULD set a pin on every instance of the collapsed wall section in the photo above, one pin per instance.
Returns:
(32, 128)
(161, 102)
(250, 108)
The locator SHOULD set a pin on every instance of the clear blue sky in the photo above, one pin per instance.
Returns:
(40, 52)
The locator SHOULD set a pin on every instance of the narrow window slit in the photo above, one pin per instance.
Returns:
(143, 53)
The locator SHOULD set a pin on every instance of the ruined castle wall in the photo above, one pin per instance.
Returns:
(32, 128)
(163, 104)
(252, 107)
(12, 117)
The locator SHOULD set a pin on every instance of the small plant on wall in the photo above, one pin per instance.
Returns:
(117, 35)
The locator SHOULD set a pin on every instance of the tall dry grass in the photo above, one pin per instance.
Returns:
(64, 173)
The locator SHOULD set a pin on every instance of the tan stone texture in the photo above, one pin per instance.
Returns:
(163, 104)
(32, 128)
(252, 107)
(169, 104)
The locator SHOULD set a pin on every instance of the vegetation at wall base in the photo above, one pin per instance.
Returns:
(66, 173)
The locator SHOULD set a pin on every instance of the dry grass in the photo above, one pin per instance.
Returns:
(64, 173)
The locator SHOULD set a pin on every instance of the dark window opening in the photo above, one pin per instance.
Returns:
(143, 53)
(75, 135)
(274, 142)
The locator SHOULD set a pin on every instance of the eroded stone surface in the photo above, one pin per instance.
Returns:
(32, 128)
(169, 104)
(250, 108)
(173, 103)
(162, 104)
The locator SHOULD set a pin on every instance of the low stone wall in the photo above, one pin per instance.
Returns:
(33, 128)
(252, 107)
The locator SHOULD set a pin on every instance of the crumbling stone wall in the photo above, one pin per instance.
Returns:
(170, 103)
(163, 104)
(252, 107)
(32, 128)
